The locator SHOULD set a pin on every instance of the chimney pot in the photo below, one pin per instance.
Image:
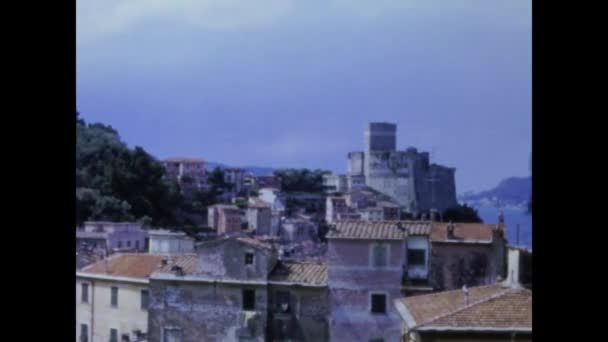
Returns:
(465, 290)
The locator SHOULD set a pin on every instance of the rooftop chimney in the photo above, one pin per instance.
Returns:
(465, 291)
(451, 231)
(433, 214)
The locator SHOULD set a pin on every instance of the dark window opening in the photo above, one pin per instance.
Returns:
(379, 303)
(119, 244)
(248, 258)
(416, 257)
(144, 299)
(113, 335)
(129, 243)
(114, 299)
(248, 300)
(137, 244)
(85, 293)
(283, 301)
(84, 333)
(125, 338)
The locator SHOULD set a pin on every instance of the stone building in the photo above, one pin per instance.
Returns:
(236, 289)
(370, 263)
(500, 311)
(407, 176)
(470, 254)
(224, 218)
(259, 217)
(112, 298)
(298, 302)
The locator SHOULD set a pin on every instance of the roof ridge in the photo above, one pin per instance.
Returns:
(449, 313)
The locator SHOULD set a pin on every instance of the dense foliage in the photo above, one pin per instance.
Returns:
(301, 180)
(462, 213)
(115, 182)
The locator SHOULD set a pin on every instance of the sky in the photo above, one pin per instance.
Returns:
(293, 83)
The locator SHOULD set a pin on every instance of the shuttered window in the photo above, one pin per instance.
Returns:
(379, 255)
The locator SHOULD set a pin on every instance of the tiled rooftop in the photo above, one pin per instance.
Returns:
(463, 232)
(377, 230)
(303, 273)
(134, 265)
(493, 306)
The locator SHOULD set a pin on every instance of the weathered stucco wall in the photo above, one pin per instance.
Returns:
(205, 311)
(307, 319)
(454, 265)
(352, 280)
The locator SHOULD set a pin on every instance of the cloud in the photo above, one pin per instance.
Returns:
(101, 17)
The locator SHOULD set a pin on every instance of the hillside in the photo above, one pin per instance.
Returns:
(514, 191)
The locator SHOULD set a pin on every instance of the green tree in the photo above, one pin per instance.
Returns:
(301, 180)
(462, 213)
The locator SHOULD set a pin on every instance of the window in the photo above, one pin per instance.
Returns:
(378, 303)
(379, 255)
(172, 335)
(114, 299)
(416, 257)
(129, 243)
(249, 300)
(84, 333)
(119, 244)
(113, 335)
(283, 301)
(137, 244)
(125, 338)
(85, 293)
(144, 299)
(248, 258)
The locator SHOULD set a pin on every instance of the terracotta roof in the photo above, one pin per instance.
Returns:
(258, 203)
(464, 232)
(387, 204)
(183, 160)
(302, 273)
(135, 265)
(376, 230)
(255, 242)
(188, 262)
(490, 307)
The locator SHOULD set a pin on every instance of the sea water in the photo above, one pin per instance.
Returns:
(513, 217)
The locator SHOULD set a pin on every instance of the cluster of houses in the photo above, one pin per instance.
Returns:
(388, 280)
(261, 272)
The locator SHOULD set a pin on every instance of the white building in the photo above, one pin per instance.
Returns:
(167, 242)
(112, 298)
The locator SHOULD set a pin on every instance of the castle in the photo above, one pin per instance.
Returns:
(407, 176)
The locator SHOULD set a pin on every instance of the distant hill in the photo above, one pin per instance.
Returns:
(256, 170)
(514, 191)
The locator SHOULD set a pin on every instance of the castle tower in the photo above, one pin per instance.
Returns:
(378, 137)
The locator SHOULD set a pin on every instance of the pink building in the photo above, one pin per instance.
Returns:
(224, 218)
(366, 263)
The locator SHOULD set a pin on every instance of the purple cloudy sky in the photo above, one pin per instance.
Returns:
(292, 83)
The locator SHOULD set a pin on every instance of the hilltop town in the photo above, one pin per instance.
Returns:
(171, 251)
